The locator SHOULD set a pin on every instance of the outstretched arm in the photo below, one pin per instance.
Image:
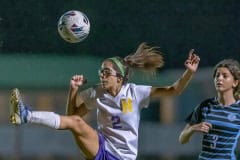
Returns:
(188, 131)
(191, 64)
(74, 106)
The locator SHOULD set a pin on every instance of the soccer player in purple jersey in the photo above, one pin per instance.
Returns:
(118, 103)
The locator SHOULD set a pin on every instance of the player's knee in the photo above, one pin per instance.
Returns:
(77, 124)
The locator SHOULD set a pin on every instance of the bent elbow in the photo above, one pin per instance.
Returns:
(181, 141)
(175, 90)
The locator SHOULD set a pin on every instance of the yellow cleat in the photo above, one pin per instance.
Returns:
(18, 112)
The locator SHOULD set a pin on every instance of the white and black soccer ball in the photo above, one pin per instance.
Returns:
(73, 26)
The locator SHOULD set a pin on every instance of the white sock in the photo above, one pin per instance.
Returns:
(49, 119)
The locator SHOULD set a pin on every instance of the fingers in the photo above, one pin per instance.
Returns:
(79, 78)
(207, 124)
(191, 52)
(205, 127)
(193, 58)
(202, 127)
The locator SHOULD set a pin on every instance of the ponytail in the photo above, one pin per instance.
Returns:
(146, 58)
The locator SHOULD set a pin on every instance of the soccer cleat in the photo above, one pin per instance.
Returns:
(18, 111)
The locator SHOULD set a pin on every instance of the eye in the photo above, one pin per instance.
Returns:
(105, 71)
(225, 76)
(217, 75)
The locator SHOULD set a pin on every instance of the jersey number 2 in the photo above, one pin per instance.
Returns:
(116, 122)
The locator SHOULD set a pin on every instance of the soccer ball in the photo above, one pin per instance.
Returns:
(73, 26)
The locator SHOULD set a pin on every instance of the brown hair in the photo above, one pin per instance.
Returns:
(234, 67)
(146, 58)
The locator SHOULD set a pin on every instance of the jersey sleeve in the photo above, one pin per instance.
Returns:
(195, 117)
(88, 96)
(200, 111)
(142, 93)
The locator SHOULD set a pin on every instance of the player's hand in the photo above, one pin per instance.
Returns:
(192, 61)
(77, 81)
(202, 127)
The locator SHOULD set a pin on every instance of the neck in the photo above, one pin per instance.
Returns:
(115, 90)
(226, 98)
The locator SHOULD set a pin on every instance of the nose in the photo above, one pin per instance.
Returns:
(220, 77)
(102, 75)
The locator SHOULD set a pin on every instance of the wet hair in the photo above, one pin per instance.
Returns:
(234, 67)
(145, 58)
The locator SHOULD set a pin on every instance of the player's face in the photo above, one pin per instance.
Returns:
(109, 78)
(224, 80)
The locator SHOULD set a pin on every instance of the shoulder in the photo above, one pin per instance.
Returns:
(137, 86)
(140, 91)
(197, 114)
(237, 104)
(207, 103)
(92, 91)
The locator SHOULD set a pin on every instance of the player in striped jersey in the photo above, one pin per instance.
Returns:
(218, 118)
(117, 101)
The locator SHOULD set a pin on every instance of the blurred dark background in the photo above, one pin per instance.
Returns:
(35, 59)
(117, 27)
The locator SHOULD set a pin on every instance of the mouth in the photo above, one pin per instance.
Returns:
(219, 85)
